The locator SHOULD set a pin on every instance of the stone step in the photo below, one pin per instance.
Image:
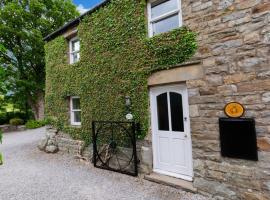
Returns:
(171, 181)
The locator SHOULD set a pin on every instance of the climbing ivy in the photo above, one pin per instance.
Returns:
(117, 57)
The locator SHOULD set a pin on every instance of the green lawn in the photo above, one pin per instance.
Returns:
(9, 107)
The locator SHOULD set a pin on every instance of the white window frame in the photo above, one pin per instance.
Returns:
(72, 116)
(164, 16)
(71, 60)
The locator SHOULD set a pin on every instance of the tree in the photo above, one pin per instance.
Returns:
(23, 25)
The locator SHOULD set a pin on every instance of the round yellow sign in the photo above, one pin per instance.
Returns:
(234, 110)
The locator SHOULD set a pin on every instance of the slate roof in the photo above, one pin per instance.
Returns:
(74, 22)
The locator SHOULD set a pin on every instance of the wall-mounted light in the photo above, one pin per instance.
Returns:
(129, 116)
(128, 101)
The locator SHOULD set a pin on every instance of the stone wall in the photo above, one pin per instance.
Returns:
(11, 128)
(234, 39)
(57, 141)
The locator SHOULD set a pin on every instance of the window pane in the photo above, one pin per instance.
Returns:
(76, 104)
(77, 116)
(163, 7)
(166, 25)
(75, 45)
(76, 57)
(162, 111)
(177, 112)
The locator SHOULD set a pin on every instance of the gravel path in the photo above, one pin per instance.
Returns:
(28, 174)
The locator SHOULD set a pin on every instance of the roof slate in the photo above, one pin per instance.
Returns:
(74, 22)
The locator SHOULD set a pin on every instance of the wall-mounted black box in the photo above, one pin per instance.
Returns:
(238, 138)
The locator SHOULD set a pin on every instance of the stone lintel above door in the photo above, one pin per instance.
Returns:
(180, 73)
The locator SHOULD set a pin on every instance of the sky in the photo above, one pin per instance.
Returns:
(84, 5)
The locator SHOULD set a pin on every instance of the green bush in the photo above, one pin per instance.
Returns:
(16, 122)
(32, 124)
(7, 116)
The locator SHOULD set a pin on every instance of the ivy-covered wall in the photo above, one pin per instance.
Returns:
(117, 57)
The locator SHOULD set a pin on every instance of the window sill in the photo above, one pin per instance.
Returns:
(76, 63)
(75, 126)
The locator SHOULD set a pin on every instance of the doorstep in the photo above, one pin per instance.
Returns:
(171, 181)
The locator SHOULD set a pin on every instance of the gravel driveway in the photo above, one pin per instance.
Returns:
(29, 174)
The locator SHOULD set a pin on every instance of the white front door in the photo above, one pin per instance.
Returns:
(171, 131)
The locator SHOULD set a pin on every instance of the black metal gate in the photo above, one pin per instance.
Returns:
(114, 146)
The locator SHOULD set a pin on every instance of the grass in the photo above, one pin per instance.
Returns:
(8, 108)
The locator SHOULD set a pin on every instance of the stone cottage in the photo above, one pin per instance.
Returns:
(143, 50)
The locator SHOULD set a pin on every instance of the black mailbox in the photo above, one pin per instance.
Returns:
(238, 138)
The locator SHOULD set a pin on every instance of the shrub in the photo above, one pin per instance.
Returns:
(32, 124)
(6, 117)
(16, 122)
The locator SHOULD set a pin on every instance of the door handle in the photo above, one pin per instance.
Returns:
(186, 136)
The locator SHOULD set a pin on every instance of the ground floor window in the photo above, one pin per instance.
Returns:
(75, 111)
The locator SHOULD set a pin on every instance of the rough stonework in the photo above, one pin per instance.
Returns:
(49, 143)
(10, 128)
(234, 40)
(56, 140)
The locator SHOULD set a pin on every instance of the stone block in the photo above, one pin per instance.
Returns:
(195, 83)
(194, 111)
(249, 64)
(239, 22)
(247, 4)
(227, 89)
(207, 90)
(193, 92)
(214, 187)
(216, 175)
(264, 7)
(217, 69)
(263, 144)
(267, 185)
(51, 149)
(237, 78)
(147, 156)
(250, 27)
(264, 74)
(224, 167)
(176, 75)
(223, 4)
(254, 196)
(234, 16)
(258, 85)
(42, 144)
(214, 80)
(201, 6)
(266, 97)
(209, 62)
(252, 37)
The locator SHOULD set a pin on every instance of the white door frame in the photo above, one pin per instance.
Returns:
(153, 106)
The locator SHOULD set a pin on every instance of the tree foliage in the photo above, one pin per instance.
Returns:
(23, 25)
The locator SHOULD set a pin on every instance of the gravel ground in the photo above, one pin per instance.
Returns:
(28, 174)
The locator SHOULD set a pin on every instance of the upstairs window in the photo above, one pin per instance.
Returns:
(75, 111)
(163, 16)
(74, 46)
